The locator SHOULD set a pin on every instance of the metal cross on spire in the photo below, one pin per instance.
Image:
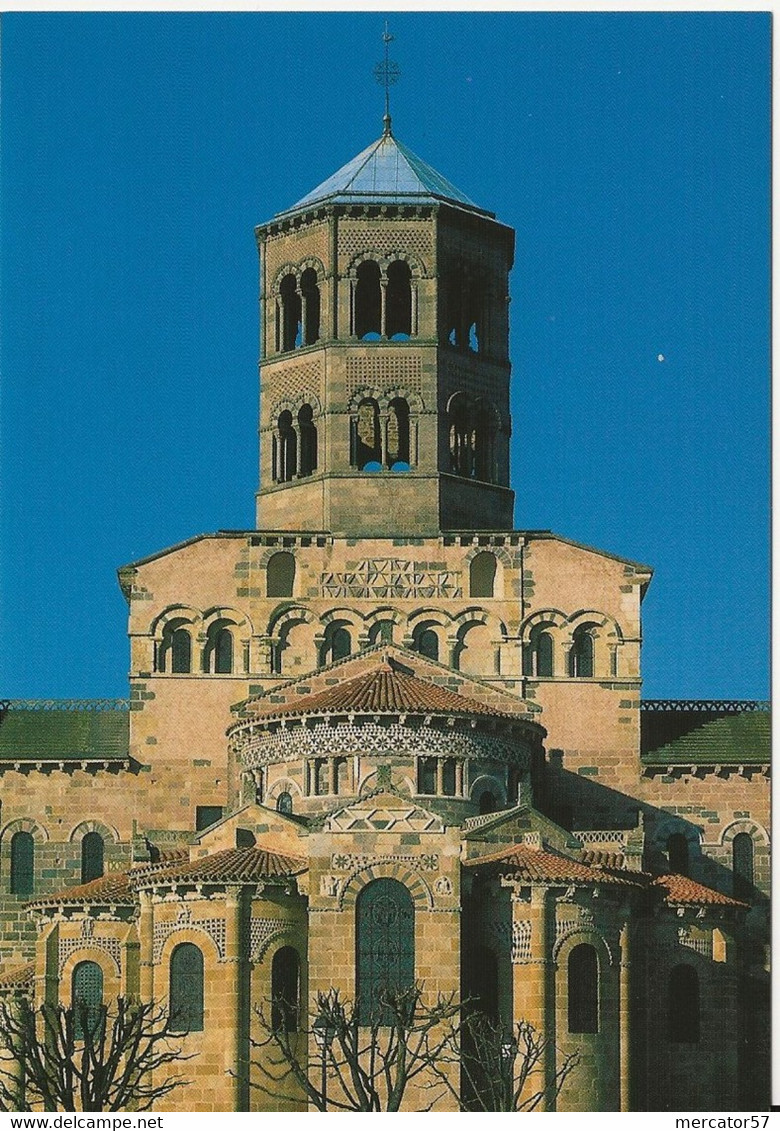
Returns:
(386, 73)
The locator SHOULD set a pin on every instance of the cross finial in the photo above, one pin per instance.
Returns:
(386, 73)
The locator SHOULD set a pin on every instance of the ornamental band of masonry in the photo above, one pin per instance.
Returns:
(385, 691)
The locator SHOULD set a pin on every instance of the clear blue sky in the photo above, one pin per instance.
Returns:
(630, 152)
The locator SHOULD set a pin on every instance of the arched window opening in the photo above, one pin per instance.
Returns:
(473, 338)
(399, 301)
(385, 947)
(291, 313)
(582, 652)
(482, 575)
(310, 307)
(175, 650)
(218, 651)
(280, 575)
(677, 851)
(285, 990)
(186, 988)
(366, 440)
(426, 641)
(337, 644)
(398, 435)
(487, 802)
(22, 863)
(742, 865)
(462, 437)
(513, 785)
(340, 770)
(284, 803)
(92, 850)
(683, 1006)
(583, 989)
(308, 433)
(287, 448)
(181, 651)
(448, 777)
(538, 652)
(426, 775)
(381, 632)
(86, 997)
(368, 300)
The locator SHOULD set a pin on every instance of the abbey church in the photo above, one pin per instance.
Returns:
(388, 730)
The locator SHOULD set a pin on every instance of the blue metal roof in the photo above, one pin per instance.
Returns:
(385, 173)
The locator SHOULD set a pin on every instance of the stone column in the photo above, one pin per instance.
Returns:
(383, 315)
(146, 944)
(235, 1058)
(414, 310)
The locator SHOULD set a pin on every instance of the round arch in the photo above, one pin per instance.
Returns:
(421, 894)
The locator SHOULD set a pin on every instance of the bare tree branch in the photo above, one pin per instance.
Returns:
(86, 1058)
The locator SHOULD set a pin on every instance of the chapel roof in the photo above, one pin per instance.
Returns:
(111, 889)
(64, 730)
(387, 687)
(386, 172)
(682, 890)
(18, 977)
(539, 865)
(741, 737)
(244, 865)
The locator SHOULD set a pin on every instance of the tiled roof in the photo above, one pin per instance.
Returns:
(386, 173)
(52, 731)
(684, 890)
(385, 688)
(541, 866)
(18, 977)
(239, 864)
(113, 888)
(735, 739)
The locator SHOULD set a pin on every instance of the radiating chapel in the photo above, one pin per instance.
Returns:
(389, 730)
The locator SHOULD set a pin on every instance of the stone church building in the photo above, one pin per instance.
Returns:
(388, 730)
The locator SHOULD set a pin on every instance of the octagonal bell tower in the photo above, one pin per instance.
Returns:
(384, 407)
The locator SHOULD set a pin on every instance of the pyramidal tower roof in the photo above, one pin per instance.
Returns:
(386, 173)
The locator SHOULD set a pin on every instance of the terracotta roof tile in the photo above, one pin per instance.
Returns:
(538, 865)
(598, 857)
(684, 890)
(240, 864)
(114, 887)
(385, 688)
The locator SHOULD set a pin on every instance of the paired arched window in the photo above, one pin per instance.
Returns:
(22, 863)
(425, 640)
(285, 449)
(683, 1005)
(582, 653)
(742, 865)
(368, 301)
(473, 427)
(384, 916)
(289, 330)
(583, 989)
(186, 988)
(218, 651)
(280, 575)
(175, 650)
(677, 853)
(427, 769)
(92, 851)
(86, 997)
(337, 644)
(482, 574)
(538, 652)
(366, 440)
(398, 435)
(285, 990)
(398, 316)
(308, 433)
(464, 310)
(381, 632)
(310, 307)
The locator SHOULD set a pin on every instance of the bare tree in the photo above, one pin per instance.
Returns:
(86, 1058)
(357, 1066)
(500, 1070)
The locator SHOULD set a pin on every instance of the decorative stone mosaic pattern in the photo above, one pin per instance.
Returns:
(392, 577)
